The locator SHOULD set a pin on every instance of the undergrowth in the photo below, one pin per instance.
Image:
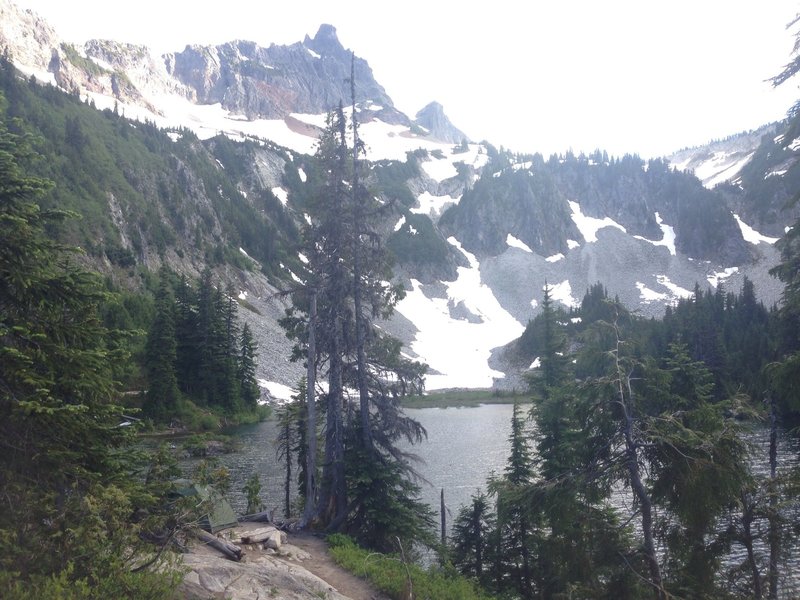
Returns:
(392, 575)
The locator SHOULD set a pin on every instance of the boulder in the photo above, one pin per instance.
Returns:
(275, 540)
(211, 576)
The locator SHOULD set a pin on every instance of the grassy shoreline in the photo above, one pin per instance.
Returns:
(464, 398)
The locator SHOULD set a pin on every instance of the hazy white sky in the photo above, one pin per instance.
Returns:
(546, 76)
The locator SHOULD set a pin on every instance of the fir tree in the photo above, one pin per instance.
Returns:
(516, 514)
(344, 292)
(471, 538)
(248, 385)
(162, 393)
(65, 470)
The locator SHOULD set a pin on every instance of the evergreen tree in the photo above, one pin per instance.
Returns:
(471, 538)
(248, 385)
(345, 290)
(516, 512)
(162, 392)
(187, 350)
(697, 465)
(286, 447)
(208, 327)
(65, 470)
(230, 393)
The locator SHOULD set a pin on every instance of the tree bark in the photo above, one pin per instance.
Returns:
(230, 551)
(309, 511)
(361, 359)
(333, 491)
(774, 534)
(625, 399)
(444, 520)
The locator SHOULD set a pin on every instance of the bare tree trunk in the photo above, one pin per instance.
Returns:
(748, 515)
(231, 551)
(287, 486)
(333, 491)
(363, 392)
(444, 520)
(309, 512)
(774, 534)
(625, 392)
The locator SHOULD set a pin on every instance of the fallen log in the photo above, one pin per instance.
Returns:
(231, 551)
(256, 536)
(265, 516)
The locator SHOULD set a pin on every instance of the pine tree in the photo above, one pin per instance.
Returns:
(187, 349)
(248, 385)
(471, 538)
(286, 447)
(65, 468)
(697, 465)
(162, 398)
(516, 514)
(344, 293)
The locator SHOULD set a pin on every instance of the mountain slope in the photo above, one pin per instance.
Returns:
(476, 232)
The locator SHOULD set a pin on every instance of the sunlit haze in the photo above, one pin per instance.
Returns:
(625, 76)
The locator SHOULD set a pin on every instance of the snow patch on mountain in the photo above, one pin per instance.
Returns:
(458, 350)
(433, 206)
(281, 194)
(722, 160)
(589, 226)
(279, 391)
(668, 238)
(297, 132)
(647, 295)
(676, 290)
(562, 292)
(439, 170)
(718, 168)
(314, 120)
(751, 235)
(719, 276)
(517, 243)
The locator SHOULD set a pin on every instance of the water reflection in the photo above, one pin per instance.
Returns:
(464, 446)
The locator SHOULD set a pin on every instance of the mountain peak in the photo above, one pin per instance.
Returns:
(326, 41)
(433, 119)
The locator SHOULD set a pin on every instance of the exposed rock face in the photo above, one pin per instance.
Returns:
(433, 119)
(309, 77)
(721, 160)
(30, 38)
(258, 576)
(531, 208)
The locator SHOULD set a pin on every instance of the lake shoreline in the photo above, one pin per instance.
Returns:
(463, 398)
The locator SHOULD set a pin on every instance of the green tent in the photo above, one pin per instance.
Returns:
(220, 514)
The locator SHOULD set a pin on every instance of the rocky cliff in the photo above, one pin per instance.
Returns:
(476, 231)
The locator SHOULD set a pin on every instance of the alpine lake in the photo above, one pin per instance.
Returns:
(465, 445)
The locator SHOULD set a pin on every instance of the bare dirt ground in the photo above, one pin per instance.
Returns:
(322, 565)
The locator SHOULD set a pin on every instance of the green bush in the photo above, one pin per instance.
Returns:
(390, 574)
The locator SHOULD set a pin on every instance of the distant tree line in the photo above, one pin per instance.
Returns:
(197, 350)
(657, 414)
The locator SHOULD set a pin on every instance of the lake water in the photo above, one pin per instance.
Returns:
(464, 447)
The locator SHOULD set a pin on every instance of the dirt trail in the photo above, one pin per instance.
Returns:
(323, 566)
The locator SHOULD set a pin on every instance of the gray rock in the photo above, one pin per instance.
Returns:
(263, 576)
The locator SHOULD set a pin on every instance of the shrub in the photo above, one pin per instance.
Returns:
(390, 573)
